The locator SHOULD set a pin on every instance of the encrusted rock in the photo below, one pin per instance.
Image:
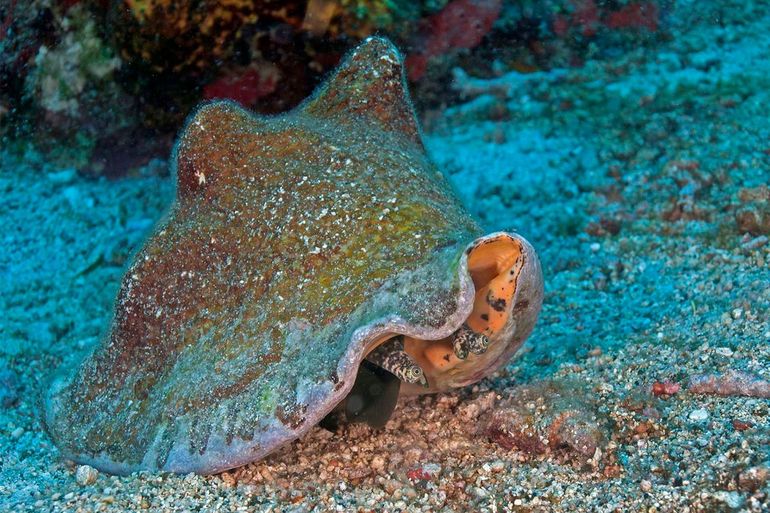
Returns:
(545, 417)
(514, 428)
(578, 431)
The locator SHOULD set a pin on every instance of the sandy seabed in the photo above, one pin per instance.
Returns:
(642, 181)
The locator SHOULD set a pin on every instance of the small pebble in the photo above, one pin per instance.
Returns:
(699, 415)
(378, 463)
(755, 243)
(665, 388)
(424, 472)
(16, 433)
(646, 486)
(497, 466)
(86, 475)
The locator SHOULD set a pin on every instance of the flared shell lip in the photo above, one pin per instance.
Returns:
(241, 452)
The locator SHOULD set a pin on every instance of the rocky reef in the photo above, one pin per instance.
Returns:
(81, 76)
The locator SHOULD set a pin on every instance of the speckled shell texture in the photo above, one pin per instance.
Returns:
(295, 242)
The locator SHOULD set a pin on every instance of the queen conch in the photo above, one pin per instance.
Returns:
(314, 265)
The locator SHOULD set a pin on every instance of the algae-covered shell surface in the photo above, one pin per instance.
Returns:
(296, 245)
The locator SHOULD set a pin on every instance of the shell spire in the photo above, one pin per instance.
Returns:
(369, 85)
